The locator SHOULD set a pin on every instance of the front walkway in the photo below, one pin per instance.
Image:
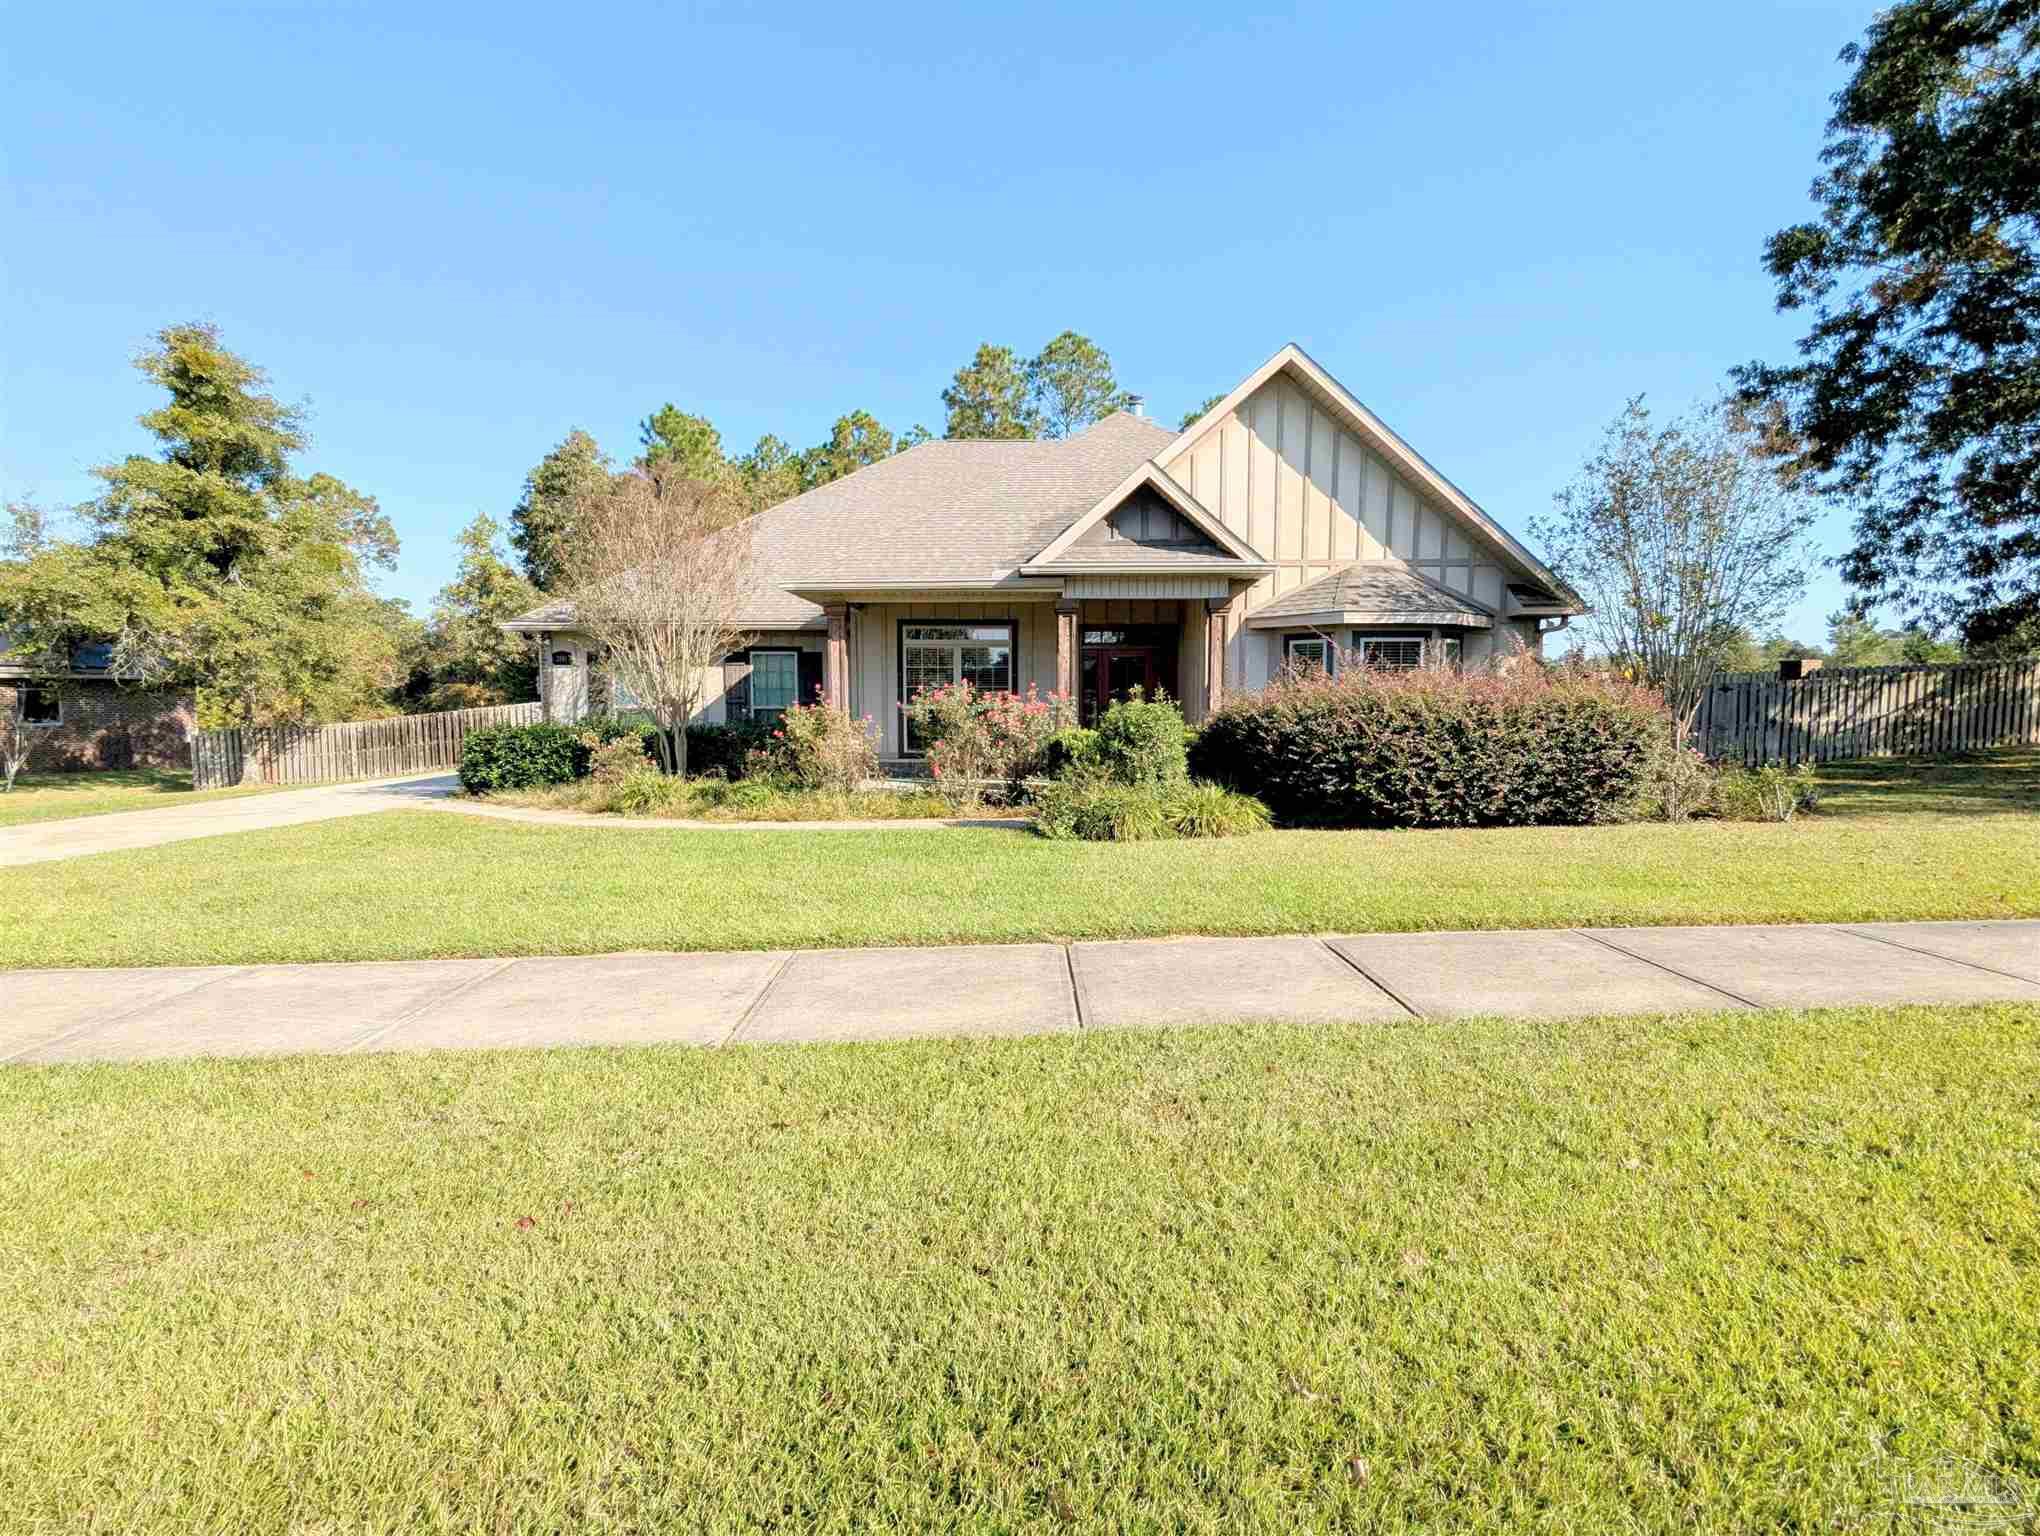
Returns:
(990, 990)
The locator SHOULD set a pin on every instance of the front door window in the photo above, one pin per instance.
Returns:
(1112, 672)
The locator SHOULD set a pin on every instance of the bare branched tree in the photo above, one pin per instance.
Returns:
(658, 569)
(1678, 537)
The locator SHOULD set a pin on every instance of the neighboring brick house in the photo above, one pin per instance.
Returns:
(85, 717)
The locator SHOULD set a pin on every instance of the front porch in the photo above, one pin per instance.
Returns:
(878, 654)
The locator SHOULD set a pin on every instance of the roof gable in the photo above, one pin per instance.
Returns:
(1333, 397)
(1146, 483)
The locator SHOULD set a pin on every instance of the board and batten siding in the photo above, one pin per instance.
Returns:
(1305, 491)
(875, 653)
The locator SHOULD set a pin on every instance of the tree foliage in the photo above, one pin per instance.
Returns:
(1914, 395)
(469, 659)
(1070, 386)
(854, 441)
(213, 565)
(1196, 413)
(989, 397)
(1678, 537)
(540, 522)
(671, 438)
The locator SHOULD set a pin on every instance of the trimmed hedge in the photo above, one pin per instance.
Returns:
(531, 756)
(520, 757)
(1430, 748)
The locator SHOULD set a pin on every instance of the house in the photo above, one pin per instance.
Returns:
(1287, 523)
(83, 716)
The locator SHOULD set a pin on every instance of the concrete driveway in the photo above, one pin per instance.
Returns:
(40, 841)
(999, 990)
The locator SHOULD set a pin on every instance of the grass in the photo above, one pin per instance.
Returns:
(1723, 1273)
(419, 884)
(60, 796)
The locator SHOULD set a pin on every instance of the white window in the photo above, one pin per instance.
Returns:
(1394, 653)
(936, 655)
(775, 683)
(1302, 651)
(42, 706)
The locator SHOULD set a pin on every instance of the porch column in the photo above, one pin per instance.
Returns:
(1066, 648)
(836, 657)
(1215, 611)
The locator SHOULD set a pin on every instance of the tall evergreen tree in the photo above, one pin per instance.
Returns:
(470, 659)
(691, 444)
(543, 514)
(855, 440)
(1070, 385)
(988, 397)
(770, 473)
(213, 565)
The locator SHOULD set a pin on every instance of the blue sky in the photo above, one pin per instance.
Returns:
(459, 231)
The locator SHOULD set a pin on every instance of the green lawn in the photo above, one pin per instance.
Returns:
(59, 796)
(413, 884)
(1723, 1273)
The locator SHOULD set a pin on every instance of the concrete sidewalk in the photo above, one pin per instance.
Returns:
(38, 842)
(992, 990)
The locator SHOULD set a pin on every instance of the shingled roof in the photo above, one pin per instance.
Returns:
(949, 513)
(1374, 592)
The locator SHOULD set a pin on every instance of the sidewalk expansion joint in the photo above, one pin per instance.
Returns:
(1669, 970)
(127, 1013)
(1373, 980)
(1076, 987)
(1935, 954)
(418, 1010)
(758, 1002)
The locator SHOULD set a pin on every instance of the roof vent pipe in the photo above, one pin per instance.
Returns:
(1137, 404)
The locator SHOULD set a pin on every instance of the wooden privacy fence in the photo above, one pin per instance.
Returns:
(1752, 717)
(365, 749)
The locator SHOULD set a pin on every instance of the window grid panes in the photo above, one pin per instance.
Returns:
(936, 655)
(775, 682)
(1310, 651)
(1392, 652)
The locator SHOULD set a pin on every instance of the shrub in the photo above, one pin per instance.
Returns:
(1430, 748)
(819, 747)
(610, 762)
(724, 750)
(1070, 750)
(741, 795)
(520, 757)
(1208, 810)
(1141, 740)
(1770, 793)
(1678, 783)
(1089, 807)
(977, 738)
(643, 790)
